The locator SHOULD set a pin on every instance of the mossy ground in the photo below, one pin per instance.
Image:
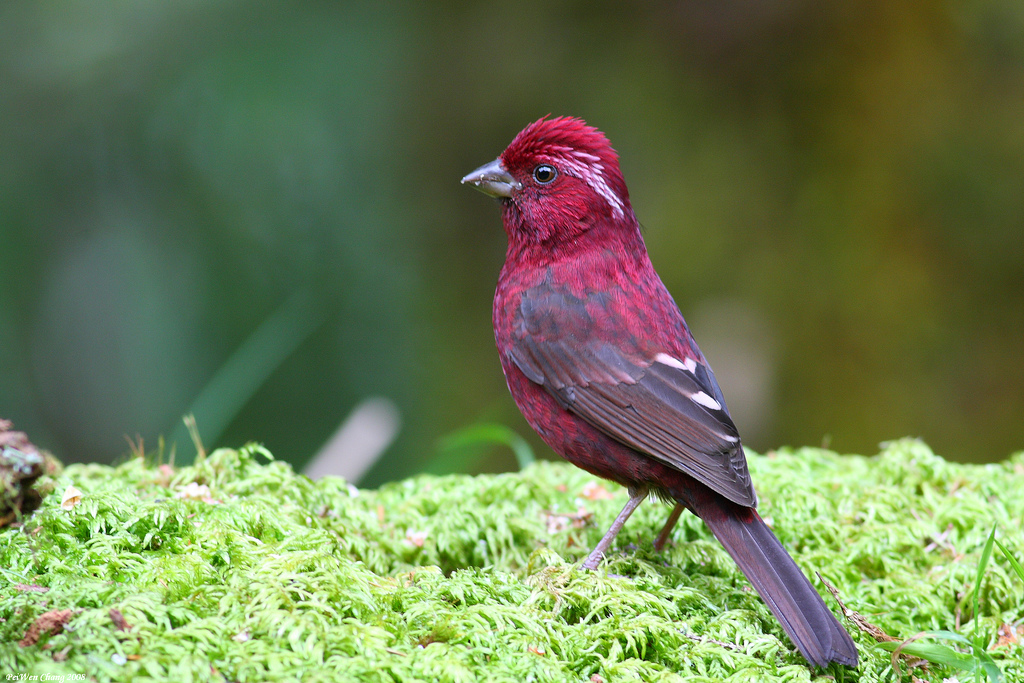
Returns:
(458, 578)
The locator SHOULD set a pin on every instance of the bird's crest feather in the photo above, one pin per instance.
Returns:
(575, 148)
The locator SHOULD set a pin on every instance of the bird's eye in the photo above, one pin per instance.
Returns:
(544, 174)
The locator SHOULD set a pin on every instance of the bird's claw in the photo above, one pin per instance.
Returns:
(593, 560)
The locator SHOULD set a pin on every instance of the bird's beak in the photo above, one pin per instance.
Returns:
(493, 179)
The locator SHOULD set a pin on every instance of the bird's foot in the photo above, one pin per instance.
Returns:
(666, 531)
(593, 560)
(636, 496)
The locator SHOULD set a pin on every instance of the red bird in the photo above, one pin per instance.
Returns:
(601, 363)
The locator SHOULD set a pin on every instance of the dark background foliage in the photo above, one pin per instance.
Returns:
(252, 211)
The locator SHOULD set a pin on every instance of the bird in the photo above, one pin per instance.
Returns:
(601, 363)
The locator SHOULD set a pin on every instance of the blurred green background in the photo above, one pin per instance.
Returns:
(251, 210)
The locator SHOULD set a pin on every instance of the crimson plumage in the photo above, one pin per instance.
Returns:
(601, 363)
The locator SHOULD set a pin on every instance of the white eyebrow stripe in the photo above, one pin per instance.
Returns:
(588, 168)
(585, 156)
(688, 364)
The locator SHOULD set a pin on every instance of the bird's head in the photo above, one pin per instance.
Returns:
(557, 179)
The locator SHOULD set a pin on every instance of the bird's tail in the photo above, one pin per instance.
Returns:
(777, 578)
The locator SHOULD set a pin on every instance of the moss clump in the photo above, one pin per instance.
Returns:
(238, 569)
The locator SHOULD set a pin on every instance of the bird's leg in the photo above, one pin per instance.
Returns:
(636, 496)
(670, 524)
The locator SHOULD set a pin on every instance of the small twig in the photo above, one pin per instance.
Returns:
(912, 662)
(193, 431)
(700, 639)
(861, 622)
(136, 447)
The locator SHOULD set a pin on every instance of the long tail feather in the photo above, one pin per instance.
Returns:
(777, 578)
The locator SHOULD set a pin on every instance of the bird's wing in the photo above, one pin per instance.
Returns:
(668, 408)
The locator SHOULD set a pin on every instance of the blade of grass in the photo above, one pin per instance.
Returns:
(453, 447)
(250, 365)
(935, 653)
(977, 662)
(986, 555)
(1014, 562)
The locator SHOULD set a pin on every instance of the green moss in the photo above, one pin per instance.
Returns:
(457, 578)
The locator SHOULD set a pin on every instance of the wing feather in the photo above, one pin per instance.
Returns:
(666, 411)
